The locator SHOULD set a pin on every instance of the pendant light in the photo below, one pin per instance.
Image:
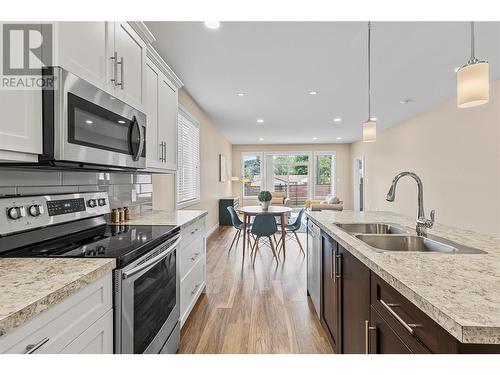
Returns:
(473, 86)
(370, 125)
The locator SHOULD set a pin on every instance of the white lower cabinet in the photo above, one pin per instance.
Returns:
(80, 323)
(192, 266)
(97, 339)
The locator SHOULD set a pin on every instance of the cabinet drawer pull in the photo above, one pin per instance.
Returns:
(195, 256)
(194, 231)
(368, 328)
(193, 292)
(32, 348)
(408, 326)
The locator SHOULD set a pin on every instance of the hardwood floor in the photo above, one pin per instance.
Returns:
(253, 310)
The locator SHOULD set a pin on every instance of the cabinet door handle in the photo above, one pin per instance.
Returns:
(32, 348)
(114, 58)
(160, 151)
(368, 328)
(121, 63)
(408, 326)
(165, 152)
(338, 267)
(333, 268)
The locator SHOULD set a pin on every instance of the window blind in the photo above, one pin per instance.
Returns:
(188, 172)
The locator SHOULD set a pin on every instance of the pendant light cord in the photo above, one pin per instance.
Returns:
(369, 71)
(472, 42)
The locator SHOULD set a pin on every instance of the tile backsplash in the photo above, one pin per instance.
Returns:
(134, 190)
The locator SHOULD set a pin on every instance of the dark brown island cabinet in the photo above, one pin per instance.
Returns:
(361, 313)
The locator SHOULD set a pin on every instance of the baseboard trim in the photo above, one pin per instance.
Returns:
(212, 230)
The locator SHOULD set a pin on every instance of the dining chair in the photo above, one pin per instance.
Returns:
(291, 231)
(238, 225)
(264, 226)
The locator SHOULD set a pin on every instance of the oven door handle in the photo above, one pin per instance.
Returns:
(150, 262)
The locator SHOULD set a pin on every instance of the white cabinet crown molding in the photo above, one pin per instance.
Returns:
(143, 31)
(155, 57)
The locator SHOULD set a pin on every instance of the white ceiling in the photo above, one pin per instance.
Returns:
(276, 64)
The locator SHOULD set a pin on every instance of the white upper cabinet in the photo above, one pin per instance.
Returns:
(110, 55)
(84, 49)
(154, 155)
(21, 125)
(130, 65)
(162, 104)
(167, 122)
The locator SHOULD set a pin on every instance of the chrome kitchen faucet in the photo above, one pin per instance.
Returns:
(422, 222)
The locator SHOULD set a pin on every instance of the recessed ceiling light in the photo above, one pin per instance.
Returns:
(89, 122)
(313, 93)
(315, 138)
(121, 121)
(213, 25)
(261, 139)
(241, 94)
(337, 119)
(260, 121)
(339, 138)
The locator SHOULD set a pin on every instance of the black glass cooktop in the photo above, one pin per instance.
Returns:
(122, 242)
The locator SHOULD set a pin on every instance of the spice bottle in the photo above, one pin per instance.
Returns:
(126, 213)
(121, 215)
(114, 216)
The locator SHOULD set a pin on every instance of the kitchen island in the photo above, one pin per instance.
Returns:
(459, 292)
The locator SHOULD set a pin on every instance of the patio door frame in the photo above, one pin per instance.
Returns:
(289, 153)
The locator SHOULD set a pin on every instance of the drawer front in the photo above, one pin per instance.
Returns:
(97, 339)
(192, 232)
(55, 328)
(191, 287)
(417, 329)
(190, 254)
(381, 339)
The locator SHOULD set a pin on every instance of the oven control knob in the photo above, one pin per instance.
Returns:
(102, 202)
(91, 203)
(35, 210)
(16, 213)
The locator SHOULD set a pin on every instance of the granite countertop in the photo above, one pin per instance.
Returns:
(461, 292)
(180, 218)
(29, 286)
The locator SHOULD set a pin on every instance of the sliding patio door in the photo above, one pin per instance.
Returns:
(288, 173)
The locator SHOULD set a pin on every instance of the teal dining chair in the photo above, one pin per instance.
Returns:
(264, 227)
(291, 231)
(238, 225)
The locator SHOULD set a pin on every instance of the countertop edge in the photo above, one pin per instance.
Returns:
(196, 218)
(16, 319)
(488, 335)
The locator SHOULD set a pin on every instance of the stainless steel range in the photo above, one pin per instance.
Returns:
(146, 280)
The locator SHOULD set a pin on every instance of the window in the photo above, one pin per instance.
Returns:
(324, 181)
(188, 158)
(252, 177)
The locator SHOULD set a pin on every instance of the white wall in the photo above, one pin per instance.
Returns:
(455, 152)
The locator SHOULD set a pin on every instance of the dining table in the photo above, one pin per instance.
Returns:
(249, 211)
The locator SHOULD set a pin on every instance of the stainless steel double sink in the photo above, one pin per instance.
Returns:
(391, 237)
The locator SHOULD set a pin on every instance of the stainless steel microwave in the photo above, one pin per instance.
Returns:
(86, 127)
